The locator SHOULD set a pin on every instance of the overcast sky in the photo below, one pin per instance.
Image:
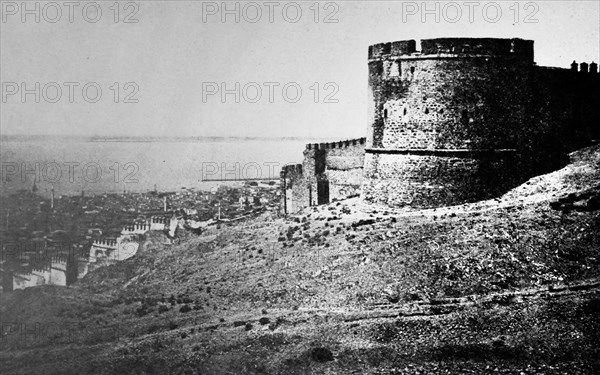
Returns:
(172, 54)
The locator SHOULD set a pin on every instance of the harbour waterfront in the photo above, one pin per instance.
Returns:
(97, 166)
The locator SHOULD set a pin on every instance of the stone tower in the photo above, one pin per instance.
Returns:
(445, 120)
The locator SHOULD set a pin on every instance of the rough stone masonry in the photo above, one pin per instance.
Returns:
(454, 121)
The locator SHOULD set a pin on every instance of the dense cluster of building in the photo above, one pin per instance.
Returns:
(55, 240)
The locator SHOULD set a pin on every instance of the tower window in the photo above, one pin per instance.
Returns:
(464, 117)
(404, 111)
(426, 111)
(385, 114)
(412, 69)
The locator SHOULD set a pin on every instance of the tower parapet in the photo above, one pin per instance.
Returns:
(455, 47)
(583, 67)
(439, 127)
(452, 120)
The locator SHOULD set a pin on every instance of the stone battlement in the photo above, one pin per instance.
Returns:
(110, 243)
(59, 263)
(451, 121)
(463, 119)
(137, 228)
(584, 67)
(158, 220)
(340, 144)
(514, 47)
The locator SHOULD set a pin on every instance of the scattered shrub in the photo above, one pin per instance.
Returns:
(321, 355)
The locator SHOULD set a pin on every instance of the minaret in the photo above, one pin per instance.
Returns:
(52, 197)
(165, 203)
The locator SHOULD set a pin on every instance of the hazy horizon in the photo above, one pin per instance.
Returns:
(175, 50)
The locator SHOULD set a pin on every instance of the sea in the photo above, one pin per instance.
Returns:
(95, 165)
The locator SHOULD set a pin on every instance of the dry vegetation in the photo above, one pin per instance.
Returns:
(503, 286)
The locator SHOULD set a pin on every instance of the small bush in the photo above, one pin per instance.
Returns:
(141, 311)
(321, 355)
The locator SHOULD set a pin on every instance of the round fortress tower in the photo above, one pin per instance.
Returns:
(445, 121)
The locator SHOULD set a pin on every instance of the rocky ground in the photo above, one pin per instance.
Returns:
(508, 286)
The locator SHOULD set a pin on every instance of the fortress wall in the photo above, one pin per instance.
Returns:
(456, 46)
(568, 105)
(344, 170)
(455, 120)
(431, 180)
(293, 189)
(335, 170)
(329, 171)
(479, 46)
(58, 277)
(344, 184)
(436, 115)
(313, 167)
(449, 103)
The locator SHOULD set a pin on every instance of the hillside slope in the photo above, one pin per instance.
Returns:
(503, 286)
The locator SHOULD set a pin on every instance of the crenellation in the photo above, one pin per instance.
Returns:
(331, 170)
(448, 97)
(456, 120)
(583, 67)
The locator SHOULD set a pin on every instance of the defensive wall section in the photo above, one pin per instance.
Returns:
(329, 172)
(462, 119)
(567, 100)
(451, 121)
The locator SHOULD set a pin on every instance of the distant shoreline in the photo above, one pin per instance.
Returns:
(142, 139)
